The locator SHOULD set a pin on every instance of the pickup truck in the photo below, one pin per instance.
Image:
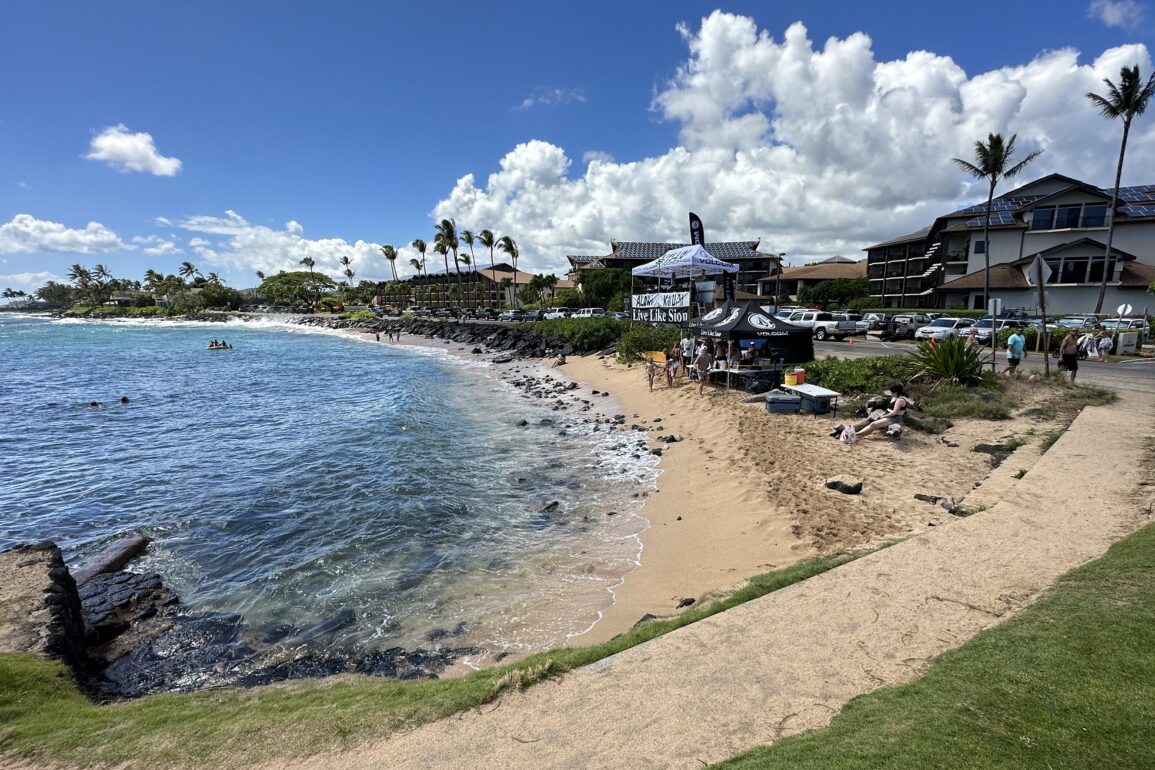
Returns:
(823, 324)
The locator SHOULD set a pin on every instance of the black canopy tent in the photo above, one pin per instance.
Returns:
(748, 321)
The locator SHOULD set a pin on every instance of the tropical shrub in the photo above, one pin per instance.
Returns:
(583, 333)
(359, 315)
(639, 338)
(858, 375)
(950, 360)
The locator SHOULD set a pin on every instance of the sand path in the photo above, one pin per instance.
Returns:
(787, 662)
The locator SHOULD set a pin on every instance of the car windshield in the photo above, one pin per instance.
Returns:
(947, 322)
(984, 323)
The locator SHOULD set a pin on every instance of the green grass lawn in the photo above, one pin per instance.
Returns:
(43, 716)
(1069, 683)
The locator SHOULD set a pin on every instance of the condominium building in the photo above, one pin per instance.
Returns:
(1056, 218)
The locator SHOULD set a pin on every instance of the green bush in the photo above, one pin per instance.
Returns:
(950, 360)
(988, 401)
(359, 315)
(858, 375)
(639, 338)
(583, 333)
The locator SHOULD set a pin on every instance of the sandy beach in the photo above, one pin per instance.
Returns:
(744, 491)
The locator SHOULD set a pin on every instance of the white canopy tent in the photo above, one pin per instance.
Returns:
(685, 262)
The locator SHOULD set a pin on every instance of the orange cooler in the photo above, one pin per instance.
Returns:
(800, 376)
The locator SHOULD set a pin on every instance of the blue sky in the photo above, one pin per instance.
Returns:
(287, 129)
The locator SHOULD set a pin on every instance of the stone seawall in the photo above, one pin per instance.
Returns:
(40, 607)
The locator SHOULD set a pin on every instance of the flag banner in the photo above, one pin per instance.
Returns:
(728, 285)
(697, 231)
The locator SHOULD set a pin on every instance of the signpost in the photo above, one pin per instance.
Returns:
(994, 307)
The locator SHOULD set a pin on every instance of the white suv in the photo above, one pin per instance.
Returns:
(941, 328)
(589, 312)
(558, 312)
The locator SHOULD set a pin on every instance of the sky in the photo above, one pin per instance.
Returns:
(247, 136)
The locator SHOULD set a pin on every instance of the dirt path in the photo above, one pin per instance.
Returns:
(787, 662)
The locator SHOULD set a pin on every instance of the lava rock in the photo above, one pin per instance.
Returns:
(844, 485)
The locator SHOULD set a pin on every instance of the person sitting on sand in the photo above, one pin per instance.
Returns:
(560, 360)
(895, 412)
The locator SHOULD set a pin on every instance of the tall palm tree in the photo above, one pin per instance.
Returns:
(421, 246)
(213, 279)
(489, 240)
(509, 246)
(447, 238)
(310, 263)
(187, 270)
(390, 254)
(1127, 100)
(992, 163)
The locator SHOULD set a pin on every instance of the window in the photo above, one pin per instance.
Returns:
(1043, 218)
(980, 247)
(1095, 273)
(1068, 217)
(1074, 270)
(1095, 215)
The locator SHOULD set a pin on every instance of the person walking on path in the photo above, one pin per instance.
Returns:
(1105, 344)
(687, 354)
(1015, 344)
(1069, 353)
(702, 364)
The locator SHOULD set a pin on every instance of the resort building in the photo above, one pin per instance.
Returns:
(1056, 218)
(793, 279)
(753, 265)
(483, 287)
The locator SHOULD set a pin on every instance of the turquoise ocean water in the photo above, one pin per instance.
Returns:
(304, 477)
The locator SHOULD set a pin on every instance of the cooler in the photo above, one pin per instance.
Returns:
(783, 403)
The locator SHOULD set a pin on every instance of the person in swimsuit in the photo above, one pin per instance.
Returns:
(893, 416)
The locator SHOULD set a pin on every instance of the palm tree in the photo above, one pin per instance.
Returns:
(991, 163)
(509, 246)
(447, 238)
(1128, 99)
(489, 240)
(213, 279)
(309, 262)
(420, 246)
(187, 270)
(390, 254)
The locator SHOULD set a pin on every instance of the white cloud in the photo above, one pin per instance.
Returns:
(1116, 13)
(552, 97)
(29, 282)
(25, 234)
(817, 151)
(236, 244)
(126, 151)
(154, 244)
(596, 156)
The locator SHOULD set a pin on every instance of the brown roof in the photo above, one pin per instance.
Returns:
(823, 271)
(1002, 277)
(1137, 274)
(520, 277)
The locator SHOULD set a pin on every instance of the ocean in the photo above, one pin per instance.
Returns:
(350, 495)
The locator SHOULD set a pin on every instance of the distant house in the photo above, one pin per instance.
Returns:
(481, 288)
(753, 264)
(794, 279)
(1056, 218)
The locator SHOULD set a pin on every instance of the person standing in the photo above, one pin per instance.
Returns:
(1015, 345)
(1105, 344)
(687, 353)
(702, 364)
(1069, 353)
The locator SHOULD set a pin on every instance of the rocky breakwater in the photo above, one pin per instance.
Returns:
(125, 634)
(39, 607)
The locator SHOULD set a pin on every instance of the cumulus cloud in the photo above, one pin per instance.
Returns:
(552, 97)
(1116, 13)
(29, 282)
(237, 244)
(596, 156)
(25, 234)
(817, 150)
(126, 151)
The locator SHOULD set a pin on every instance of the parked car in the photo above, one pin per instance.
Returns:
(558, 312)
(860, 326)
(534, 315)
(445, 312)
(942, 328)
(824, 324)
(511, 315)
(983, 328)
(480, 314)
(876, 321)
(905, 324)
(1112, 325)
(589, 312)
(618, 314)
(1078, 321)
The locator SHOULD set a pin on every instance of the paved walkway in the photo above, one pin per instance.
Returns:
(789, 661)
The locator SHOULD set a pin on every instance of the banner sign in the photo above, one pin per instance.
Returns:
(671, 307)
(665, 299)
(697, 231)
(728, 285)
(661, 315)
